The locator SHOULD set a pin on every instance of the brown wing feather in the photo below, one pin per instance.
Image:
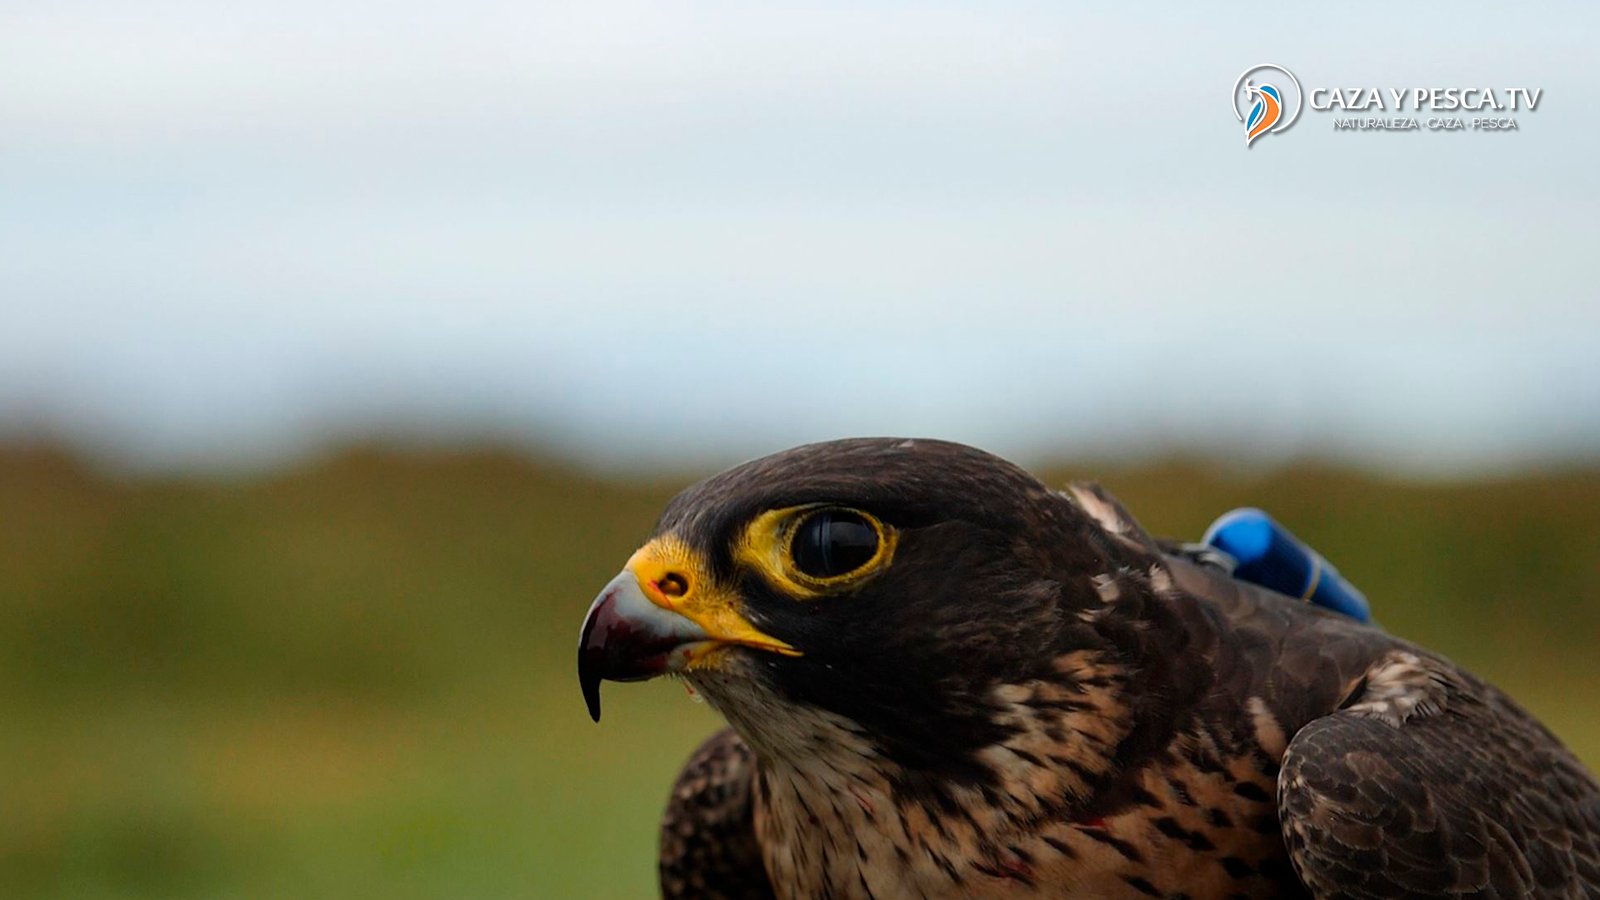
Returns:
(708, 839)
(1432, 784)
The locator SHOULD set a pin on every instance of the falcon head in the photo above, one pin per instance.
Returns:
(894, 586)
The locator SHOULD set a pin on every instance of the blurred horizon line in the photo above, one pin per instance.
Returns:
(104, 461)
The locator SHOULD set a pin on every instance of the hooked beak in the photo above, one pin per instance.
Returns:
(628, 638)
(659, 615)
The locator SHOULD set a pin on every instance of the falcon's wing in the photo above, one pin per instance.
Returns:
(708, 838)
(1428, 783)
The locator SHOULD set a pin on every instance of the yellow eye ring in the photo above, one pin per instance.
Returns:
(817, 549)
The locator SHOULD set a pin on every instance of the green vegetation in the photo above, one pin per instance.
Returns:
(357, 679)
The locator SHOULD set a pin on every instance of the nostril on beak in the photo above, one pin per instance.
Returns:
(673, 585)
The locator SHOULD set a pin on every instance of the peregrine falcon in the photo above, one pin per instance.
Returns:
(946, 679)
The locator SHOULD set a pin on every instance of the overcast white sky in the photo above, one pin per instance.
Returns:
(647, 232)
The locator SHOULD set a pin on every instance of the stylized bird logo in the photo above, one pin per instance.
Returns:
(1266, 111)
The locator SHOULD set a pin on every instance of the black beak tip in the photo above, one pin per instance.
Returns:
(589, 668)
(591, 696)
(592, 655)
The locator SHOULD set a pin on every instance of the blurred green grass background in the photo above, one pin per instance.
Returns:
(356, 678)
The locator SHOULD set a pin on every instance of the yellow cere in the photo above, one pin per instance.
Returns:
(696, 597)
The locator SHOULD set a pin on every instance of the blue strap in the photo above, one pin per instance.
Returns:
(1270, 556)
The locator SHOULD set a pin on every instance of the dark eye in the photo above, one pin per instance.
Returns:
(833, 542)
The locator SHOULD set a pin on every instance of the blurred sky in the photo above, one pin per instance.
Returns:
(643, 233)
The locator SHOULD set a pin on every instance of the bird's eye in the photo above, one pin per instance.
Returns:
(833, 542)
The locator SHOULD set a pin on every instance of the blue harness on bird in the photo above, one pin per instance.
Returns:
(1267, 554)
